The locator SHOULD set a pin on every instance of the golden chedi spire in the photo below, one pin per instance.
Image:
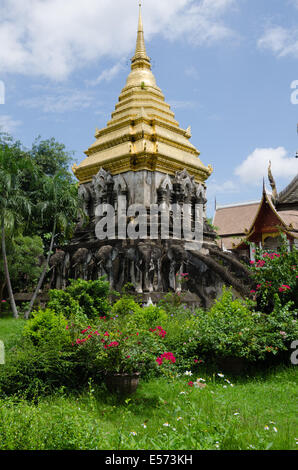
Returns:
(140, 54)
(142, 133)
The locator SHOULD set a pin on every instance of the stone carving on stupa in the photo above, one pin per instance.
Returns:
(144, 160)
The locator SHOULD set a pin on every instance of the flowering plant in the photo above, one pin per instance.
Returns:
(275, 273)
(118, 348)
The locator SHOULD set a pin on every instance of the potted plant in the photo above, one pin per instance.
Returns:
(120, 353)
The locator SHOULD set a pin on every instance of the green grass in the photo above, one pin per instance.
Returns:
(162, 415)
(10, 330)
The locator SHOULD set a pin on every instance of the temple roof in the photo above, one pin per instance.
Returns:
(143, 132)
(289, 195)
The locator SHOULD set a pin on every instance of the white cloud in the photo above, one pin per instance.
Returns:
(225, 187)
(52, 38)
(107, 75)
(63, 100)
(255, 167)
(281, 41)
(8, 124)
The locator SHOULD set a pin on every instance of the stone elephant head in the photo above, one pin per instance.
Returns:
(80, 263)
(172, 265)
(108, 263)
(144, 260)
(59, 263)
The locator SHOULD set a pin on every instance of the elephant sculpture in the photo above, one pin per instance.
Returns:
(81, 263)
(108, 264)
(172, 266)
(144, 267)
(60, 264)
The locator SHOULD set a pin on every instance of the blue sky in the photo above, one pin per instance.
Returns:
(225, 66)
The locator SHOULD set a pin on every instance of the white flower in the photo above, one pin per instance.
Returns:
(179, 419)
(182, 393)
(236, 414)
(133, 433)
(188, 372)
(144, 426)
(220, 375)
(266, 428)
(231, 385)
(274, 429)
(166, 424)
(224, 386)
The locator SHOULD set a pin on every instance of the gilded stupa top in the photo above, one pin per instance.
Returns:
(142, 133)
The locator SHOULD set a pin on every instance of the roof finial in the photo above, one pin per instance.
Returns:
(272, 183)
(141, 53)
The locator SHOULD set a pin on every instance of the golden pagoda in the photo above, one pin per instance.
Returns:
(142, 133)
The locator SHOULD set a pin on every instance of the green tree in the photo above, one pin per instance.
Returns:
(52, 157)
(15, 204)
(59, 204)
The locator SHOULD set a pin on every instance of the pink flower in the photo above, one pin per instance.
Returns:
(252, 291)
(113, 344)
(3, 301)
(166, 356)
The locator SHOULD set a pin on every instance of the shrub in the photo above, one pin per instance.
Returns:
(275, 273)
(44, 324)
(125, 306)
(118, 347)
(231, 329)
(31, 370)
(62, 302)
(90, 298)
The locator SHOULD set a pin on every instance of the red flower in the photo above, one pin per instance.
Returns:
(190, 384)
(167, 357)
(113, 344)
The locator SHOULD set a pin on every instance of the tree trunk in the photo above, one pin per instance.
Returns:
(3, 284)
(42, 276)
(7, 276)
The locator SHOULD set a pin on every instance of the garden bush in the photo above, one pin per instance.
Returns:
(45, 324)
(90, 298)
(275, 273)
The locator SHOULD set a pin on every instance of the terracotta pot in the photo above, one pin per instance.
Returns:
(122, 384)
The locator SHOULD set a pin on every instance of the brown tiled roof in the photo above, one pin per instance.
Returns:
(229, 243)
(290, 218)
(234, 220)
